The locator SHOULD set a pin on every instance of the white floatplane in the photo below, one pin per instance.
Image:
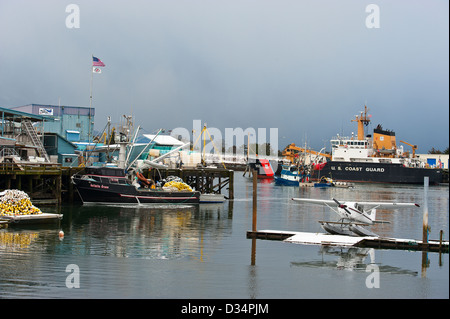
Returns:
(353, 215)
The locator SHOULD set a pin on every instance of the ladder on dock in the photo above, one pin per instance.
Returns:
(31, 131)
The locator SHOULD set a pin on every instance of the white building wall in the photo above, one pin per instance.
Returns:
(435, 160)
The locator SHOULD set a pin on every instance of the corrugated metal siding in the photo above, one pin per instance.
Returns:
(57, 110)
(75, 118)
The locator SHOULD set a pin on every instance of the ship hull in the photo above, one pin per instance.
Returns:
(279, 180)
(106, 193)
(263, 168)
(377, 173)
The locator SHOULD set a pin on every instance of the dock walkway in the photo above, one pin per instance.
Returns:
(43, 218)
(346, 241)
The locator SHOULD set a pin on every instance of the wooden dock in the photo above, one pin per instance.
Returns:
(50, 184)
(41, 181)
(44, 218)
(306, 238)
(204, 179)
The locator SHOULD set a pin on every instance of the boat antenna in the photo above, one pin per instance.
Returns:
(132, 144)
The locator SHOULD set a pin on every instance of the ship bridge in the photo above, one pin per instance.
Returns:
(350, 148)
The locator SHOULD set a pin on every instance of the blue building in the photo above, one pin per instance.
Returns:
(56, 145)
(19, 137)
(74, 123)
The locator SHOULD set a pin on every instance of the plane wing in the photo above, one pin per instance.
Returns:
(323, 202)
(332, 202)
(388, 204)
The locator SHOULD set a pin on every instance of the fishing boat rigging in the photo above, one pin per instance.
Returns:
(126, 183)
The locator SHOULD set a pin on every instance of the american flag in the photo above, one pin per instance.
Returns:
(97, 62)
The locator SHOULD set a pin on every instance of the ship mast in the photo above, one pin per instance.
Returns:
(362, 119)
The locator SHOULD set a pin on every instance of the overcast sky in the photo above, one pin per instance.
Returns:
(304, 67)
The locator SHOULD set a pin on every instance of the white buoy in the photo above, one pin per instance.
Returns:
(61, 234)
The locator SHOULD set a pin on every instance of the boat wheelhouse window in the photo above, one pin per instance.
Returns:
(95, 178)
(87, 177)
(104, 179)
(113, 180)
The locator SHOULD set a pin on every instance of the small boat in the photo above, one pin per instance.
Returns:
(324, 182)
(16, 208)
(212, 198)
(291, 175)
(111, 185)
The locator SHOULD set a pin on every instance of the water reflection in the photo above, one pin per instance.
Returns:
(12, 241)
(351, 259)
(202, 251)
(150, 232)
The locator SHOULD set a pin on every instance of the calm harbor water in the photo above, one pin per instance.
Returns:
(202, 252)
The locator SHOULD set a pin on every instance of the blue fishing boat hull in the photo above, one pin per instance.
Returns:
(282, 181)
(323, 185)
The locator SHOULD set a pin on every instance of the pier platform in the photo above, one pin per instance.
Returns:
(44, 218)
(306, 238)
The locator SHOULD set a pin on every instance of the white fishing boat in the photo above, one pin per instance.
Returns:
(212, 198)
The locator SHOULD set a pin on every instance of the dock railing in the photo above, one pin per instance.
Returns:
(24, 168)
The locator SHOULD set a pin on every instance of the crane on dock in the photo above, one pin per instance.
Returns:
(202, 135)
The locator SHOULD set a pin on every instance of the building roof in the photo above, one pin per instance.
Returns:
(56, 110)
(13, 115)
(65, 140)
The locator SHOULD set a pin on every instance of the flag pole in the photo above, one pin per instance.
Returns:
(92, 78)
(90, 104)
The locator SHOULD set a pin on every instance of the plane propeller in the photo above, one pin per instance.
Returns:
(344, 207)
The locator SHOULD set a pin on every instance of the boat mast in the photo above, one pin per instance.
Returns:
(363, 120)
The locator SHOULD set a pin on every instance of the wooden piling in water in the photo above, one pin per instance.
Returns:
(425, 228)
(254, 215)
(255, 199)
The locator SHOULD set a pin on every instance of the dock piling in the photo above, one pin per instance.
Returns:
(255, 198)
(255, 208)
(425, 211)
